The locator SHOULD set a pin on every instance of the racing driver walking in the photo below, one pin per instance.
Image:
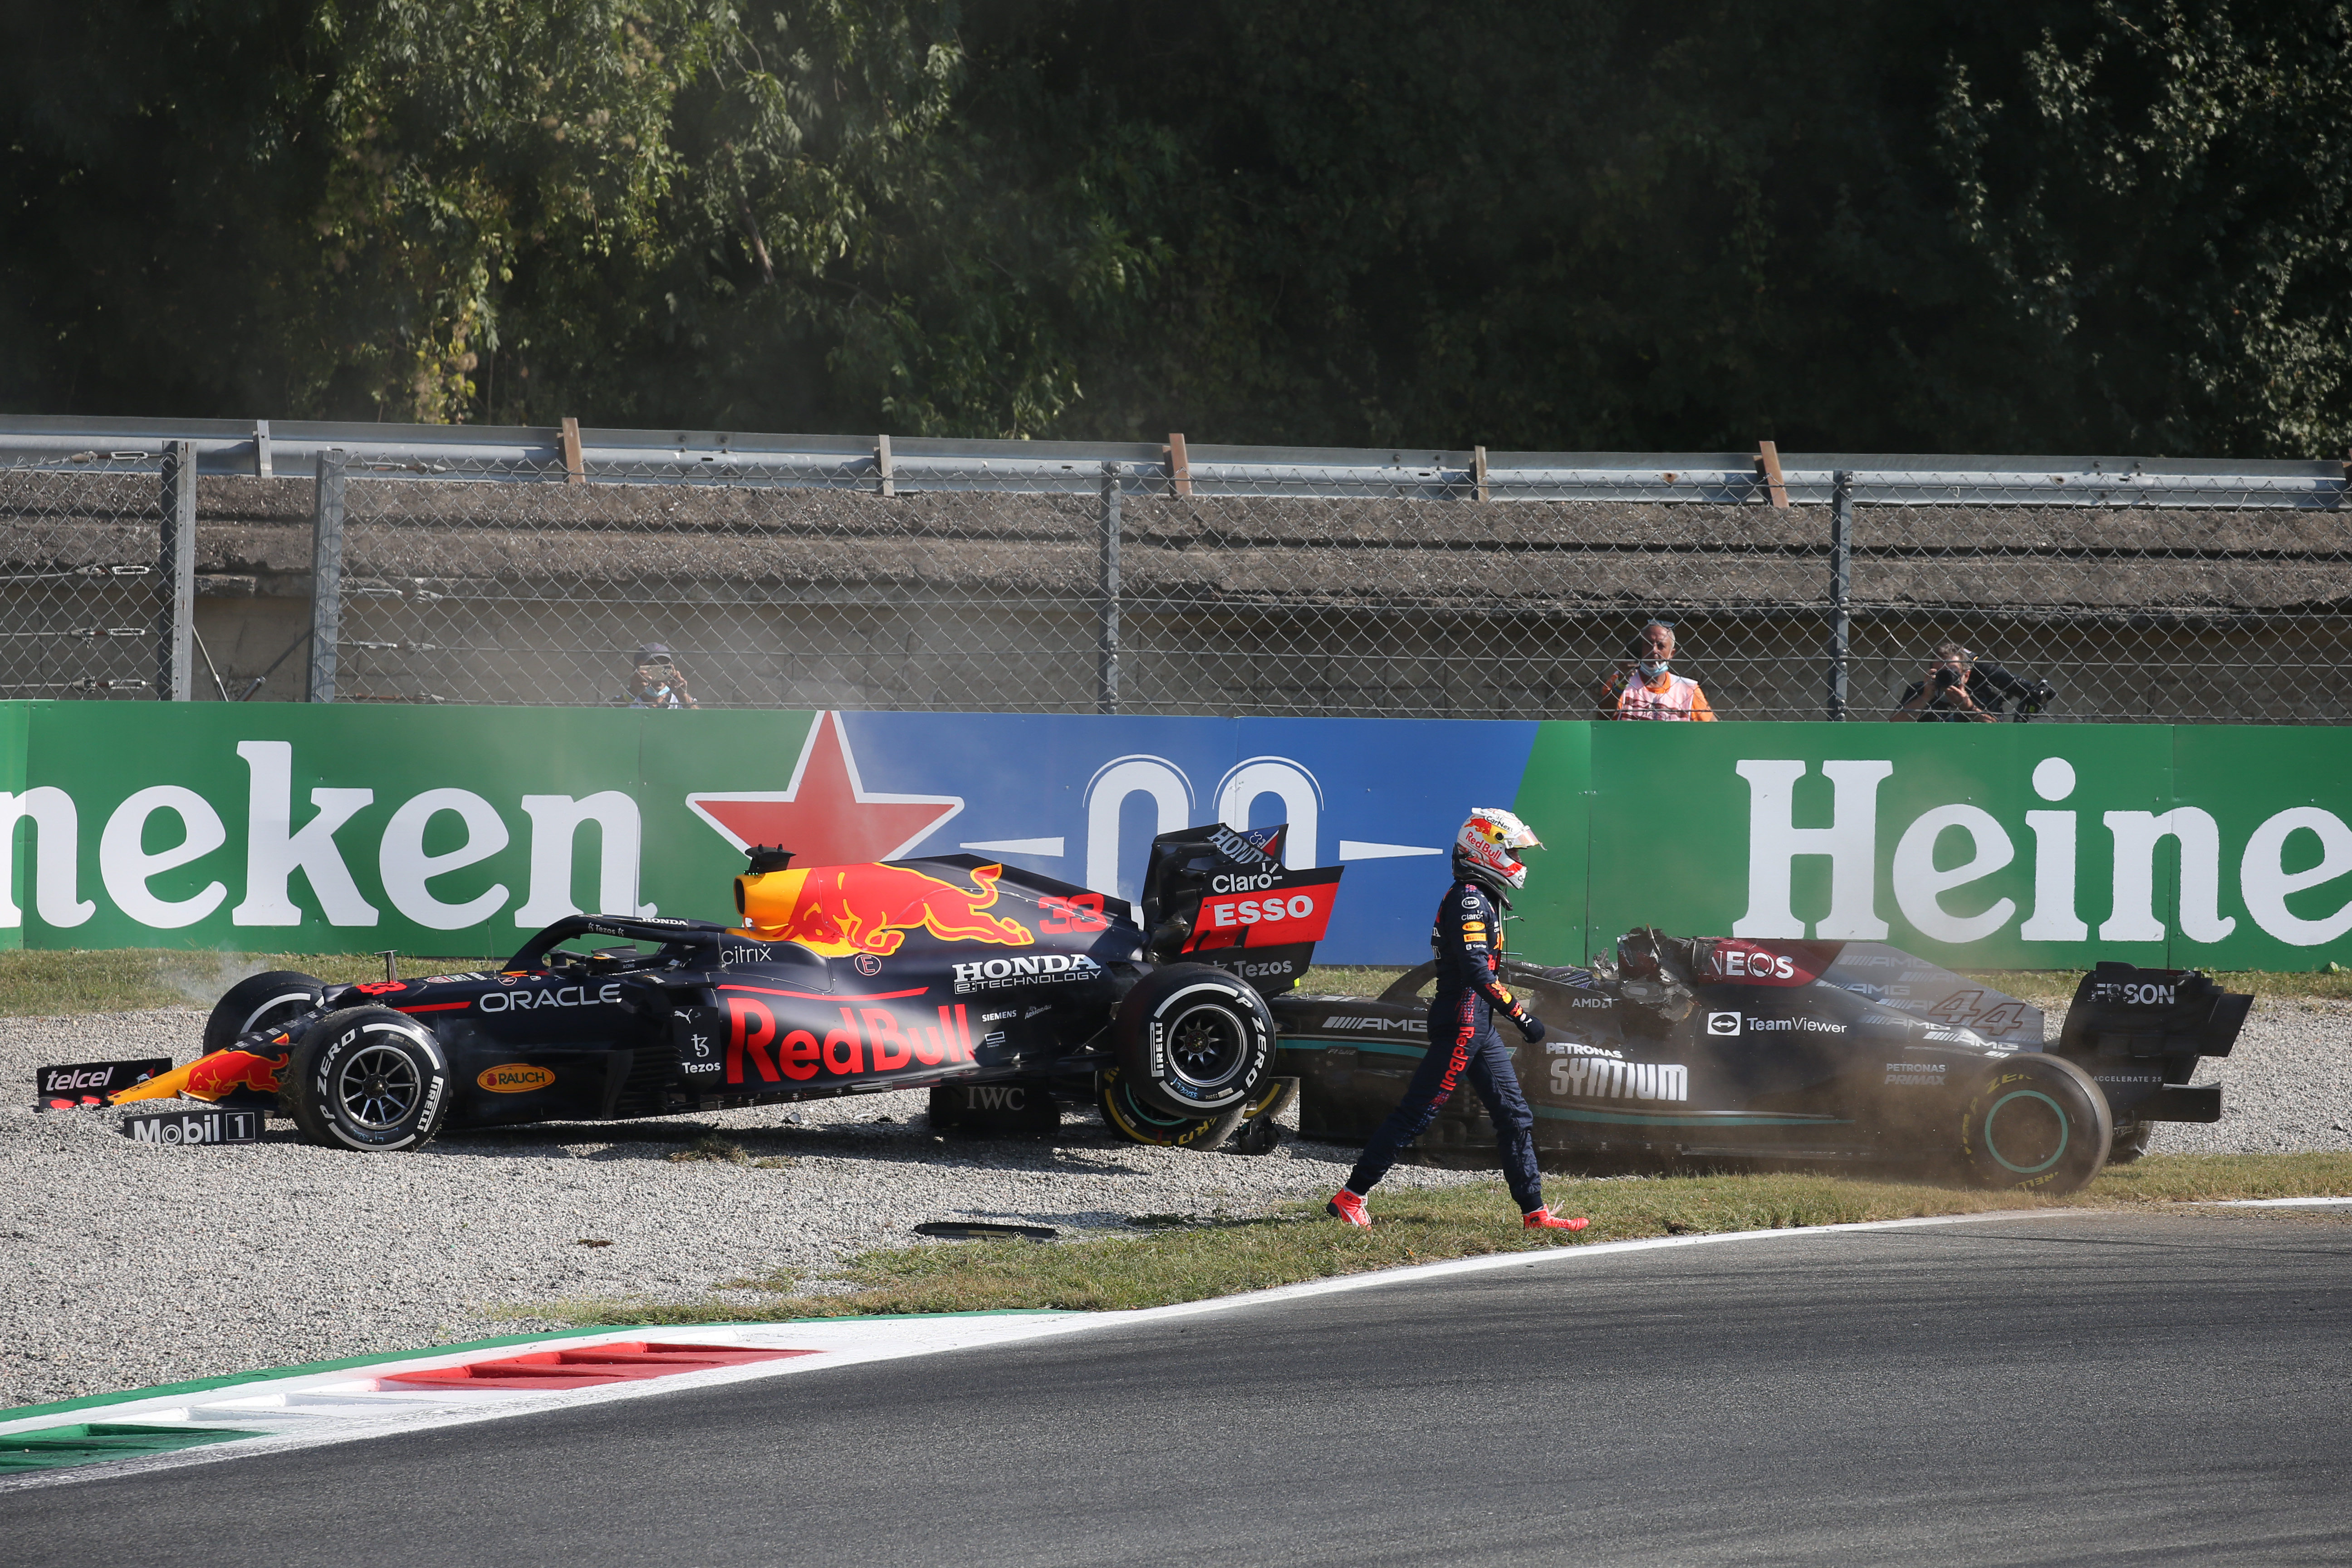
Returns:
(1468, 939)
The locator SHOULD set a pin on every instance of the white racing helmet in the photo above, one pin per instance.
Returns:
(1483, 846)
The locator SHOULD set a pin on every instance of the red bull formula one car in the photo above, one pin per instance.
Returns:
(1712, 1050)
(1006, 994)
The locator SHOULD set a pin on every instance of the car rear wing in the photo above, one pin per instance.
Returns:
(2139, 1033)
(2151, 1018)
(1221, 896)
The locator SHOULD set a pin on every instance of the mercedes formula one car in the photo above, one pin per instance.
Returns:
(1007, 994)
(1715, 1050)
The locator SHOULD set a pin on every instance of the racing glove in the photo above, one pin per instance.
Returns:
(1530, 1027)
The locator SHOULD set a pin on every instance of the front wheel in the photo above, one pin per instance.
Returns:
(260, 1001)
(2036, 1123)
(278, 999)
(367, 1078)
(1193, 1041)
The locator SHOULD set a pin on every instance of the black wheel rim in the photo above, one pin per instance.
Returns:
(378, 1089)
(1207, 1047)
(2026, 1131)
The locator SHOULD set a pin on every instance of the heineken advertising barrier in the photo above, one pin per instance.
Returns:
(456, 831)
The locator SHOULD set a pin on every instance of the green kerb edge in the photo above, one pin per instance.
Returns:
(93, 1443)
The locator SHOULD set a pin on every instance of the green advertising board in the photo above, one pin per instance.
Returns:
(1988, 846)
(287, 827)
(293, 827)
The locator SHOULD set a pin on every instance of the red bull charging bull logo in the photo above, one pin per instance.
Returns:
(216, 1076)
(841, 910)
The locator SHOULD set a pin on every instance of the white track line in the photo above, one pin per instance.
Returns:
(351, 1404)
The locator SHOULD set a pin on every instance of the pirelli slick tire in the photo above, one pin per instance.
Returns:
(367, 1078)
(1139, 1123)
(260, 1001)
(1192, 1042)
(2131, 1142)
(2035, 1123)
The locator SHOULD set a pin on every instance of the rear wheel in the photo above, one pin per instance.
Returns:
(367, 1078)
(2037, 1124)
(1193, 1041)
(1125, 1113)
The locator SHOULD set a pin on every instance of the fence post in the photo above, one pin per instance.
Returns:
(176, 564)
(326, 576)
(1768, 469)
(1107, 654)
(1840, 587)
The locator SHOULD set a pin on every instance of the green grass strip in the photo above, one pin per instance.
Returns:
(1296, 1242)
(42, 983)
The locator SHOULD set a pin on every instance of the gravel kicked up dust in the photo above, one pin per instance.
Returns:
(125, 1264)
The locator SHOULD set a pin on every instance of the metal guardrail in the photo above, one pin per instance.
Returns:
(537, 454)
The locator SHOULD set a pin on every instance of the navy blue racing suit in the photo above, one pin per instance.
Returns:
(1468, 938)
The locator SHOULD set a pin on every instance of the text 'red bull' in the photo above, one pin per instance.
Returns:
(873, 1035)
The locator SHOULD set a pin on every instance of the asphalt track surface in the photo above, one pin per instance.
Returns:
(2079, 1389)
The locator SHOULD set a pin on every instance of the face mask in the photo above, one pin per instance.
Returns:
(1654, 667)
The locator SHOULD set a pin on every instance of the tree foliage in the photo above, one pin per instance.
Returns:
(1582, 225)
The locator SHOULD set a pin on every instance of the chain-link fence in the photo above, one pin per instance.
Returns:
(1020, 577)
(83, 606)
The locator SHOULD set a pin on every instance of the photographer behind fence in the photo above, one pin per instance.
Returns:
(1644, 686)
(658, 681)
(1960, 690)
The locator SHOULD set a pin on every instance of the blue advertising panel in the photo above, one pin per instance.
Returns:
(1079, 798)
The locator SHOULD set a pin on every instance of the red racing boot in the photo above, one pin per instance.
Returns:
(1346, 1205)
(1544, 1219)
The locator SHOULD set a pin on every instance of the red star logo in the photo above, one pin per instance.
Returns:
(826, 817)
